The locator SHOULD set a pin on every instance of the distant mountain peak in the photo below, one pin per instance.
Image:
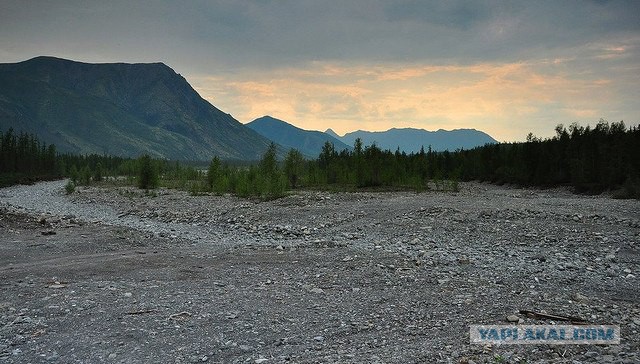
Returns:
(270, 119)
(332, 133)
(412, 139)
(308, 142)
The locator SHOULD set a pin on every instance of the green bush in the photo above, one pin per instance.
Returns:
(97, 173)
(630, 189)
(274, 187)
(85, 176)
(70, 187)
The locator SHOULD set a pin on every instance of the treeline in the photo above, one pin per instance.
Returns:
(24, 159)
(371, 167)
(265, 180)
(364, 167)
(592, 160)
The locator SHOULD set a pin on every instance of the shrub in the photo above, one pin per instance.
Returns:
(74, 174)
(85, 176)
(70, 187)
(630, 189)
(97, 173)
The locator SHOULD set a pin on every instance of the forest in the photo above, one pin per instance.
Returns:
(24, 159)
(591, 160)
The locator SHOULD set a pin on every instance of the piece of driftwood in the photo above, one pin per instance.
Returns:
(548, 316)
(140, 312)
(180, 316)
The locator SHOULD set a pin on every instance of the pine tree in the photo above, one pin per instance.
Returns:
(213, 173)
(293, 167)
(147, 173)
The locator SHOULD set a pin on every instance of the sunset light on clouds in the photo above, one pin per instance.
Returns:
(500, 99)
(506, 68)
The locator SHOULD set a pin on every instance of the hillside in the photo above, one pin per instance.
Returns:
(119, 109)
(308, 142)
(411, 140)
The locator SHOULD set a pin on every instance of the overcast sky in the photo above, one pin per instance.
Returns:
(504, 67)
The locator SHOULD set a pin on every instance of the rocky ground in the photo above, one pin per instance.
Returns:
(116, 275)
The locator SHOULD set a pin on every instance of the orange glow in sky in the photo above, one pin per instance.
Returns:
(504, 67)
(498, 98)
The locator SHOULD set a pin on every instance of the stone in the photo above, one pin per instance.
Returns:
(513, 318)
(578, 297)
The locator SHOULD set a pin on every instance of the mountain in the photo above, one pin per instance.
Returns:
(119, 109)
(411, 140)
(308, 142)
(332, 133)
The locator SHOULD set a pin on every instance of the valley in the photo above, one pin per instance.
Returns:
(115, 274)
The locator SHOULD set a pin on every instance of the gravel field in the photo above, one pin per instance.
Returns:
(111, 274)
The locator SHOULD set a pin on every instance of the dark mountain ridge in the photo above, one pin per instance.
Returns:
(308, 142)
(412, 140)
(119, 109)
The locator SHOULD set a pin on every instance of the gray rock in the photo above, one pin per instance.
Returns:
(578, 297)
(512, 318)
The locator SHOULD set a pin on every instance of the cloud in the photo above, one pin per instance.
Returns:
(504, 67)
(505, 99)
(270, 34)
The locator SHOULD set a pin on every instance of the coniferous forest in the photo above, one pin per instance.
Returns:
(23, 159)
(591, 160)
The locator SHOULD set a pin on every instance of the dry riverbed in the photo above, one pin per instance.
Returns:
(114, 275)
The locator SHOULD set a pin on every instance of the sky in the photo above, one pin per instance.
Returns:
(504, 67)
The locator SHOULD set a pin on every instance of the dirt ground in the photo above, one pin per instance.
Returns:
(111, 274)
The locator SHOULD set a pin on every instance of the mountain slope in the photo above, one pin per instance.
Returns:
(308, 142)
(332, 133)
(411, 140)
(119, 109)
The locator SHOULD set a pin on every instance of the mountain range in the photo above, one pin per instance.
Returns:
(308, 142)
(119, 109)
(132, 109)
(411, 140)
(408, 140)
